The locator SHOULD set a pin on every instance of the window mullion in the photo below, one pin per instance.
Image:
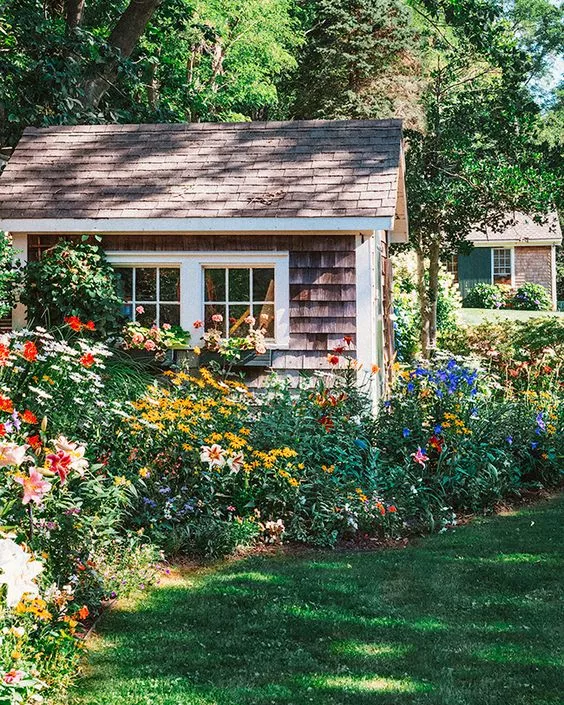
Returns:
(158, 296)
(134, 294)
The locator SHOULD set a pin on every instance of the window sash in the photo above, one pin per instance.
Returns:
(502, 262)
(157, 302)
(250, 302)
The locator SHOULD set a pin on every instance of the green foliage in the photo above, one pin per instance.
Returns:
(531, 297)
(407, 323)
(10, 276)
(72, 279)
(197, 60)
(352, 63)
(484, 296)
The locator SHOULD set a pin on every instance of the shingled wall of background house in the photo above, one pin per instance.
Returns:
(322, 283)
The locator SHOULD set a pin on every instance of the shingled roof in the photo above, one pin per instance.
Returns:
(205, 170)
(523, 231)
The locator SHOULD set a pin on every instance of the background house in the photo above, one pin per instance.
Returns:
(291, 221)
(524, 252)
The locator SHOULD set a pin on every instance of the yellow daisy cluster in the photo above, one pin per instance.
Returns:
(458, 426)
(35, 606)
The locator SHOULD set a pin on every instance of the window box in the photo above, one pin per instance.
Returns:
(249, 358)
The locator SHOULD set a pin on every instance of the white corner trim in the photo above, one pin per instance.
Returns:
(367, 342)
(553, 278)
(19, 244)
(192, 281)
(194, 225)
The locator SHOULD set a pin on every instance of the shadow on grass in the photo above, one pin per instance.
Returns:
(466, 618)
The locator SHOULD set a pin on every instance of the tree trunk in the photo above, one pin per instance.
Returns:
(74, 10)
(122, 40)
(423, 302)
(433, 295)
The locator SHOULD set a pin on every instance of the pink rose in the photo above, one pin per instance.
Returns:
(137, 338)
(198, 324)
(150, 345)
(166, 326)
(139, 309)
(217, 318)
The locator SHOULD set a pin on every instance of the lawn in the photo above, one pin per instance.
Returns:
(470, 617)
(475, 316)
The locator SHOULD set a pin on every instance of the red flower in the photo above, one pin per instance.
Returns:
(87, 360)
(4, 354)
(34, 441)
(339, 349)
(437, 443)
(90, 325)
(73, 322)
(29, 417)
(59, 464)
(327, 423)
(392, 508)
(30, 351)
(6, 404)
(2, 430)
(347, 339)
(333, 359)
(83, 612)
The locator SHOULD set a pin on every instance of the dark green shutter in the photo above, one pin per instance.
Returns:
(475, 268)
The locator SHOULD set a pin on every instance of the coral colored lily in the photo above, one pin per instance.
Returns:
(35, 487)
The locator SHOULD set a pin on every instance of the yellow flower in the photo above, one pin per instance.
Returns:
(292, 481)
(196, 350)
(329, 469)
(144, 472)
(120, 481)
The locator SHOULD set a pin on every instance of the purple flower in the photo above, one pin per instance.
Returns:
(509, 439)
(438, 428)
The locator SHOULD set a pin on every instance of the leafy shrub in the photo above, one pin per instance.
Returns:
(484, 296)
(72, 279)
(10, 275)
(407, 321)
(531, 297)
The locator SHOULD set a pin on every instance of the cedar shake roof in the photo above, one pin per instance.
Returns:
(523, 232)
(346, 168)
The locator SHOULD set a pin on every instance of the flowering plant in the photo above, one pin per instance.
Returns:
(153, 340)
(232, 347)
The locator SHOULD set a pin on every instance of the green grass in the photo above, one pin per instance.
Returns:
(475, 316)
(470, 617)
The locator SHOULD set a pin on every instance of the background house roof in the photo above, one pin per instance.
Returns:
(285, 169)
(524, 231)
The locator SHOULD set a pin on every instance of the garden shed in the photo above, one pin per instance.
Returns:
(292, 220)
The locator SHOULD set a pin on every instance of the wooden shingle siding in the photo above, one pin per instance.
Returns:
(322, 283)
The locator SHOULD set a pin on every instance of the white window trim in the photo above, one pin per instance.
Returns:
(512, 251)
(192, 266)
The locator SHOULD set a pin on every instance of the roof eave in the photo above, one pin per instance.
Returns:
(196, 225)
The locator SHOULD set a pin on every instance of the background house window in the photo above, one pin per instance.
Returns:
(237, 292)
(452, 266)
(155, 289)
(502, 265)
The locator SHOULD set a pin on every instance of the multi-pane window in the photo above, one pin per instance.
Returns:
(502, 265)
(151, 295)
(452, 266)
(237, 293)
